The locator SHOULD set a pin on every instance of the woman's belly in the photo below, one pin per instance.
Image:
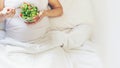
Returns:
(17, 29)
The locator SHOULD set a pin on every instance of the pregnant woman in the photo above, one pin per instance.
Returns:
(19, 30)
(32, 35)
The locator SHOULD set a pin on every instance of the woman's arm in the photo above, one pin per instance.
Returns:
(1, 4)
(56, 10)
(1, 8)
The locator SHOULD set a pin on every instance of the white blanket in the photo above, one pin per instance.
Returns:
(64, 49)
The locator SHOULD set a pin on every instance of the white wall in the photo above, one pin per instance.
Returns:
(107, 31)
(100, 32)
(113, 49)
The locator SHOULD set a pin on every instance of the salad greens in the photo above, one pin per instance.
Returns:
(28, 11)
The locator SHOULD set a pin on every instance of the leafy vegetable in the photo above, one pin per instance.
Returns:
(28, 11)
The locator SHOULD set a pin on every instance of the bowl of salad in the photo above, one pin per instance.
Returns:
(28, 12)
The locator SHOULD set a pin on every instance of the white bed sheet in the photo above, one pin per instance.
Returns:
(64, 52)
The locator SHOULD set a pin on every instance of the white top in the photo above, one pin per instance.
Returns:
(17, 29)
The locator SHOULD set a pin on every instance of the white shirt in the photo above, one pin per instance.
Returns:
(17, 29)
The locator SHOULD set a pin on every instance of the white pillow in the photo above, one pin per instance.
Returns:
(75, 12)
(74, 39)
(78, 36)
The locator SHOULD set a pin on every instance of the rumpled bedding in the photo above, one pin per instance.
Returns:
(69, 48)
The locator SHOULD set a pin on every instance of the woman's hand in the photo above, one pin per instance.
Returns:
(10, 13)
(38, 17)
(7, 13)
